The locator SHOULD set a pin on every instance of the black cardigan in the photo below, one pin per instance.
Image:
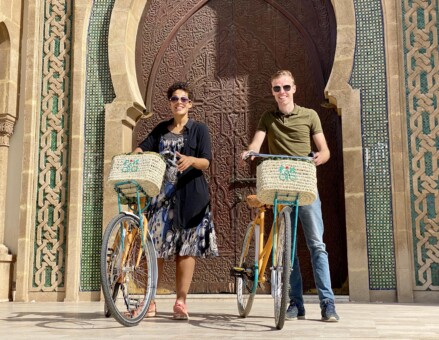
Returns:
(192, 192)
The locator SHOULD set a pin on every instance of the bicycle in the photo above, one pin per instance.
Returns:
(293, 184)
(128, 259)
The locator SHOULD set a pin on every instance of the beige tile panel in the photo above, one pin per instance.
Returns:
(357, 247)
(382, 295)
(353, 170)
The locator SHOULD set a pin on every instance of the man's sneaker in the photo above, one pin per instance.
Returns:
(328, 312)
(295, 312)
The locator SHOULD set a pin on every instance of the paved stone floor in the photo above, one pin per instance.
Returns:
(215, 317)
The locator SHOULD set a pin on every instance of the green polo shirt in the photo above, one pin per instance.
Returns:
(290, 134)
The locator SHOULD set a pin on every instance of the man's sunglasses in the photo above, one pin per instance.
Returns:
(175, 99)
(278, 88)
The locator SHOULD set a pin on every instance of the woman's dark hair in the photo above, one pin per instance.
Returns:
(180, 85)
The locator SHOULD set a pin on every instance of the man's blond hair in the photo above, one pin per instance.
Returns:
(281, 73)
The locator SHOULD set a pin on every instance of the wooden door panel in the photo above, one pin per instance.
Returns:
(228, 50)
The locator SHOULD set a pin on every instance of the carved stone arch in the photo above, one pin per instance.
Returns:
(8, 81)
(338, 91)
(124, 22)
(9, 55)
(347, 103)
(6, 129)
(128, 106)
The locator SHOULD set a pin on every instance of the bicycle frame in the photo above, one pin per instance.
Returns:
(262, 250)
(278, 202)
(281, 243)
(123, 241)
(283, 202)
(139, 211)
(128, 259)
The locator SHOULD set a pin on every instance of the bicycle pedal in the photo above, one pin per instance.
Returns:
(237, 271)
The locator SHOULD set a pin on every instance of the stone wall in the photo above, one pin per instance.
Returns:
(79, 102)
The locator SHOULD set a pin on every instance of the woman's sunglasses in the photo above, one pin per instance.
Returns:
(175, 99)
(285, 87)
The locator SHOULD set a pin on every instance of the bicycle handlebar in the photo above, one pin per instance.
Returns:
(265, 155)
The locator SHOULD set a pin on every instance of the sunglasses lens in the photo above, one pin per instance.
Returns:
(175, 99)
(285, 87)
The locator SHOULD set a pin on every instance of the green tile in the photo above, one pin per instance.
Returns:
(99, 91)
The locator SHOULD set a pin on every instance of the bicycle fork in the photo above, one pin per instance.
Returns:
(276, 272)
(261, 252)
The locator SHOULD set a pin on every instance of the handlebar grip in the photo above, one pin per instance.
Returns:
(249, 154)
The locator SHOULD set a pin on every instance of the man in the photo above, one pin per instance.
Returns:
(289, 129)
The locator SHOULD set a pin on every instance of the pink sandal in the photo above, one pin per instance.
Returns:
(180, 311)
(152, 310)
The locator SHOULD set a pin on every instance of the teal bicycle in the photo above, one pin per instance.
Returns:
(128, 259)
(283, 184)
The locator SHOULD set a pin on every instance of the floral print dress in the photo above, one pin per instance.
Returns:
(168, 239)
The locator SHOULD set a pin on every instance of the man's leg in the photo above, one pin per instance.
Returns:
(312, 224)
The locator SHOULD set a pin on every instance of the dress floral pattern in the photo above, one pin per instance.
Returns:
(168, 239)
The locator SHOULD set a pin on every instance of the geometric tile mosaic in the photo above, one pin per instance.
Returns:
(52, 170)
(369, 76)
(421, 64)
(99, 91)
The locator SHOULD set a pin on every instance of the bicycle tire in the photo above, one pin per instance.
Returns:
(130, 267)
(282, 267)
(247, 281)
(114, 294)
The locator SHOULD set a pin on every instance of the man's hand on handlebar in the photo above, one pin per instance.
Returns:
(246, 154)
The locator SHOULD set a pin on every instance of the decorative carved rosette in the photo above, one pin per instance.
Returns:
(6, 130)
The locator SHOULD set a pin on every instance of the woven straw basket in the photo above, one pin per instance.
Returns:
(289, 178)
(147, 169)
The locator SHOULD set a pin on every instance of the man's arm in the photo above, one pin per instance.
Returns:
(256, 143)
(323, 154)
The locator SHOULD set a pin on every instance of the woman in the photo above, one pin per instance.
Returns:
(180, 219)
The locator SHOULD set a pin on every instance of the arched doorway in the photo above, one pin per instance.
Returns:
(228, 51)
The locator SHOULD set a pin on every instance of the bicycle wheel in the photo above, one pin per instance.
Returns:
(128, 272)
(282, 267)
(107, 311)
(247, 273)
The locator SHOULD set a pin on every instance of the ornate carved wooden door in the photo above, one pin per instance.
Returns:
(227, 50)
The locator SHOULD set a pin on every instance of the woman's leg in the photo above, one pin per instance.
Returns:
(185, 271)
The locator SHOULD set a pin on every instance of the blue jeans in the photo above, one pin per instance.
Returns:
(312, 225)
